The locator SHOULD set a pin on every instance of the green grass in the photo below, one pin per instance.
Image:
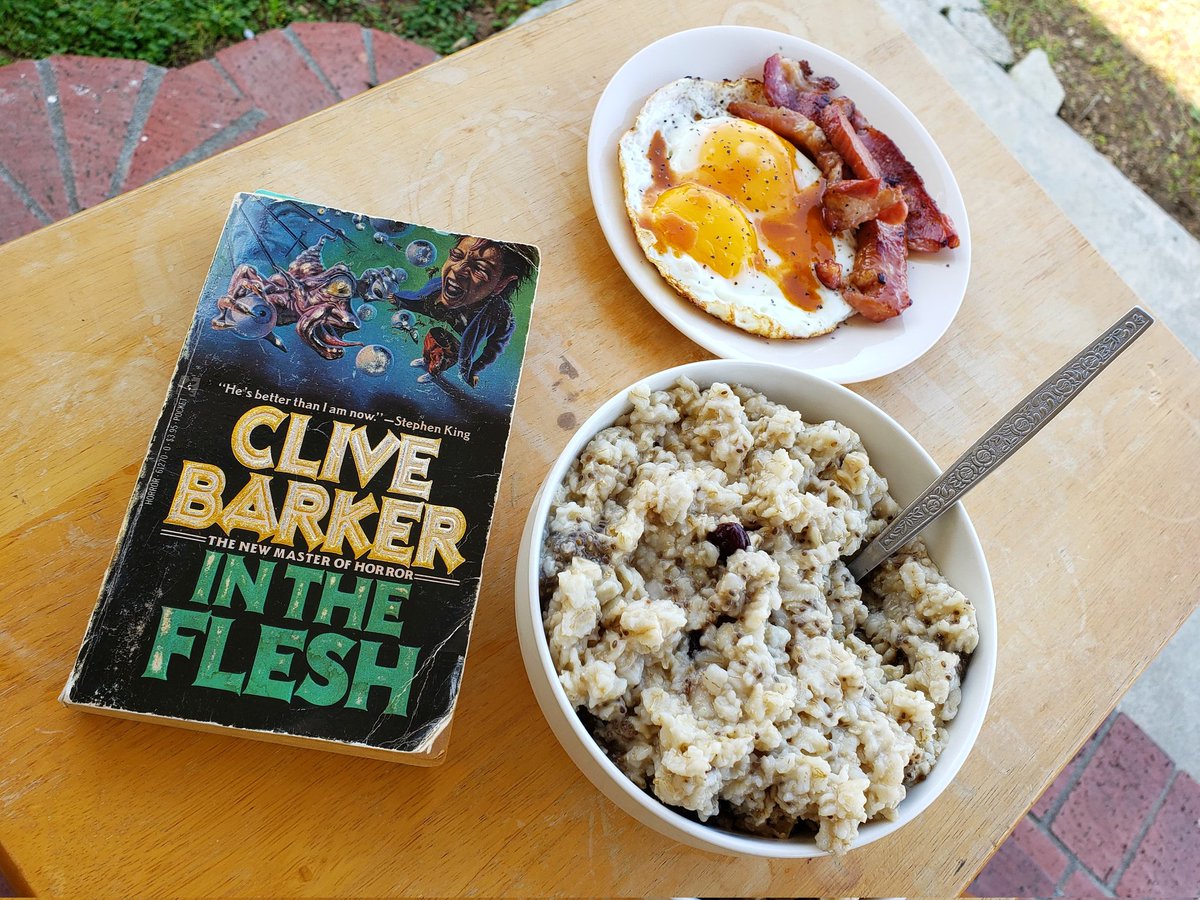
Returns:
(176, 32)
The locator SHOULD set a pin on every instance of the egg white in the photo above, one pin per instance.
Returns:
(685, 111)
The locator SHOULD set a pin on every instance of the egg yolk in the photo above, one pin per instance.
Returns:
(750, 164)
(741, 197)
(706, 225)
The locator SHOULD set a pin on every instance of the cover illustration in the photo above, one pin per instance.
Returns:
(302, 553)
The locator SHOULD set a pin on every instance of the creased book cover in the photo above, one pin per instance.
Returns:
(301, 556)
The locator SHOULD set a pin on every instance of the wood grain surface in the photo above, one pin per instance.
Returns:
(1090, 531)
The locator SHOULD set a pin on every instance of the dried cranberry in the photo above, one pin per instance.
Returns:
(728, 538)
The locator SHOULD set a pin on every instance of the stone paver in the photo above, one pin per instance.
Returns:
(1028, 864)
(276, 78)
(1036, 77)
(1011, 873)
(977, 28)
(15, 219)
(1108, 823)
(27, 147)
(395, 57)
(94, 94)
(194, 105)
(339, 50)
(1059, 786)
(1167, 863)
(1106, 810)
(1081, 885)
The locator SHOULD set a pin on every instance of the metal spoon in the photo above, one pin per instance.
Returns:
(1002, 440)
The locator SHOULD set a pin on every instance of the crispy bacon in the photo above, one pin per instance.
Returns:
(929, 229)
(789, 83)
(878, 286)
(867, 150)
(857, 120)
(797, 128)
(829, 273)
(845, 140)
(848, 204)
(896, 214)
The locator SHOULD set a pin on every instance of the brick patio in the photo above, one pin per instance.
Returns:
(79, 130)
(1120, 820)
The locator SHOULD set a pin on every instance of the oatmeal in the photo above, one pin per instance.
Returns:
(704, 625)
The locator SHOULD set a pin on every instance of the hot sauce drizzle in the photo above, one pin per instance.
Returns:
(796, 234)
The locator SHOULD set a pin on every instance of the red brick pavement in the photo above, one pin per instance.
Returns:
(27, 151)
(276, 78)
(1065, 778)
(1104, 813)
(95, 100)
(1167, 862)
(394, 57)
(16, 219)
(1120, 820)
(78, 130)
(342, 52)
(195, 106)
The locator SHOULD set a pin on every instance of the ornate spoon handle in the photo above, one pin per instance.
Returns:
(1002, 440)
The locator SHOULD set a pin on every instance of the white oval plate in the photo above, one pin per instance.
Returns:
(857, 350)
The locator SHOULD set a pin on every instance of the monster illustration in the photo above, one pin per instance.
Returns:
(313, 298)
(381, 283)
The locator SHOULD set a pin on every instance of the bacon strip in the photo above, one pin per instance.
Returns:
(848, 204)
(789, 83)
(929, 229)
(845, 140)
(829, 273)
(878, 288)
(797, 128)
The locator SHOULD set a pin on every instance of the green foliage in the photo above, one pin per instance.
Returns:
(176, 32)
(508, 10)
(440, 24)
(158, 31)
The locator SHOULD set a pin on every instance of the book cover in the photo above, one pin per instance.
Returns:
(301, 557)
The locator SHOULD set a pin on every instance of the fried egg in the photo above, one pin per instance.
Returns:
(729, 212)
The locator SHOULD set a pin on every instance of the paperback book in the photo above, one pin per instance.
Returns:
(301, 557)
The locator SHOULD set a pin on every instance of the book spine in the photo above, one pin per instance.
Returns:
(178, 394)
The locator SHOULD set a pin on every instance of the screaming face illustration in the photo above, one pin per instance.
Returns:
(473, 298)
(475, 269)
(315, 299)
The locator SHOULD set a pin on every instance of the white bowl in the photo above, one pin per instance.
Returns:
(952, 544)
(858, 350)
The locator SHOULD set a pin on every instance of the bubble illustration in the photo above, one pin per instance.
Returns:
(366, 312)
(421, 253)
(254, 319)
(373, 360)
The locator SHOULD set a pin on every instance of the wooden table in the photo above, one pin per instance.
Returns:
(1090, 531)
